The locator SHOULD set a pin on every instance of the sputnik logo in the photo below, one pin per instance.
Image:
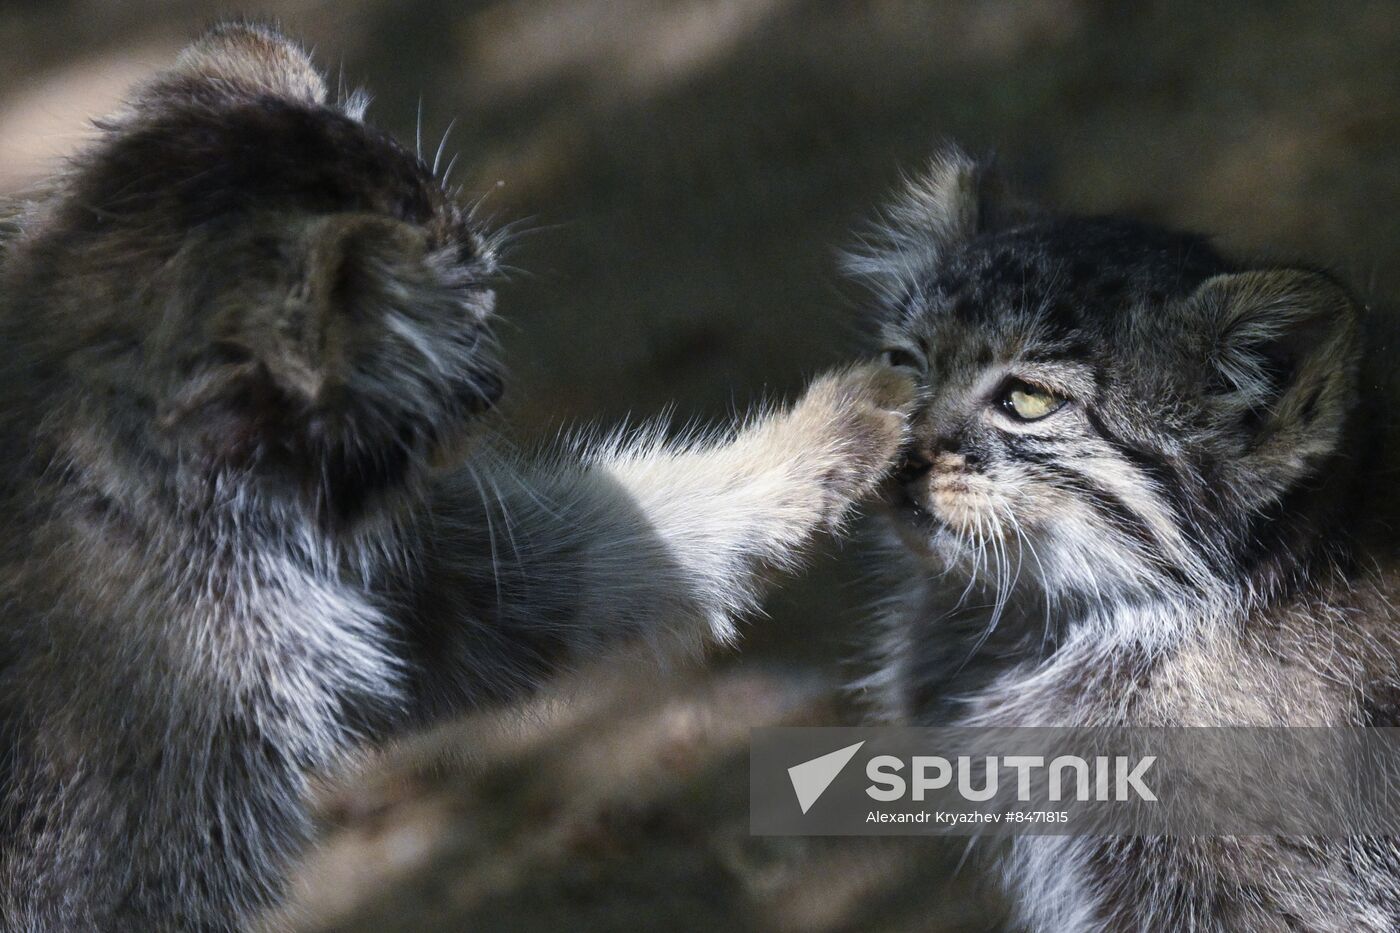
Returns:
(811, 778)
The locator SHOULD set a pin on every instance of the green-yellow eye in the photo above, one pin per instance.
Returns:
(1028, 403)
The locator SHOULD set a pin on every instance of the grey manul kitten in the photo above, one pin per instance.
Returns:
(1143, 490)
(245, 338)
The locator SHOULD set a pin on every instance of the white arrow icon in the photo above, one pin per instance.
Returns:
(811, 778)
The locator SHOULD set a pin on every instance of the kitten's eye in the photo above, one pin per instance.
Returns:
(899, 358)
(1028, 403)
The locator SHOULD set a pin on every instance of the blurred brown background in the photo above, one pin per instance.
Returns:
(687, 169)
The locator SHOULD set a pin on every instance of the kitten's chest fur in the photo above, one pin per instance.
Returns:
(209, 632)
(1322, 658)
(294, 640)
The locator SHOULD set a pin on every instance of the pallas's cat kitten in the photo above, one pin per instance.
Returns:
(1143, 490)
(243, 334)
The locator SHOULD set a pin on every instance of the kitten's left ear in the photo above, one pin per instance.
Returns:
(247, 58)
(956, 198)
(1284, 358)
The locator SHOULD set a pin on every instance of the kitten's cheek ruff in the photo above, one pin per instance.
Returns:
(917, 527)
(488, 391)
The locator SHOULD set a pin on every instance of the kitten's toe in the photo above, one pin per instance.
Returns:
(875, 403)
(864, 411)
(866, 386)
(884, 387)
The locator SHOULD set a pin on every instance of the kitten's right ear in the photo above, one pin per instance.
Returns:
(245, 58)
(1284, 356)
(955, 199)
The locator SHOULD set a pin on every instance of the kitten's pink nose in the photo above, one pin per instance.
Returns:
(951, 452)
(927, 453)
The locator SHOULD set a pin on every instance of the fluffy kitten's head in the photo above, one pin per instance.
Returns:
(243, 284)
(1113, 406)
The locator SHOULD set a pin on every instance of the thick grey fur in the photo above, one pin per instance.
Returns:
(1202, 535)
(251, 522)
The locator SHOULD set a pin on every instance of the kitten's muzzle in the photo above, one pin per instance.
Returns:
(903, 490)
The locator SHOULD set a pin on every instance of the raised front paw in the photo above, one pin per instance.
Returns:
(858, 419)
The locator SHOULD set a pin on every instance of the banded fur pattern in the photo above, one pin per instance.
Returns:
(255, 512)
(1141, 490)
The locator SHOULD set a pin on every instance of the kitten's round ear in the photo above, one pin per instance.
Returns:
(956, 198)
(1284, 357)
(252, 59)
